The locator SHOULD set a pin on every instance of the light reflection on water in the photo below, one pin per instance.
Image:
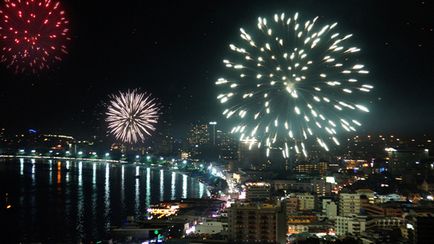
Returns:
(161, 185)
(184, 186)
(107, 195)
(173, 186)
(67, 168)
(148, 186)
(21, 166)
(68, 200)
(137, 192)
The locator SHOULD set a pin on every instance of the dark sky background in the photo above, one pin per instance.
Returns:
(175, 49)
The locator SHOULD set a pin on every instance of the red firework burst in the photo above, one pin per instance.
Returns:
(33, 34)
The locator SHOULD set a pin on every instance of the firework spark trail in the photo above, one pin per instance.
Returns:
(291, 81)
(33, 34)
(132, 116)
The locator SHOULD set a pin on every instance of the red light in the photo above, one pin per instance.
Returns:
(32, 30)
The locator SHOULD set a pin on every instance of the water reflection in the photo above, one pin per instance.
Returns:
(80, 173)
(172, 186)
(59, 173)
(89, 198)
(137, 190)
(161, 185)
(50, 169)
(148, 186)
(123, 186)
(21, 166)
(184, 186)
(80, 201)
(94, 174)
(33, 172)
(107, 195)
(67, 171)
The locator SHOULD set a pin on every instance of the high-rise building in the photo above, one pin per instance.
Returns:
(213, 132)
(385, 223)
(306, 201)
(198, 135)
(227, 146)
(319, 186)
(291, 204)
(312, 168)
(257, 222)
(299, 202)
(258, 191)
(163, 138)
(329, 209)
(349, 204)
(198, 140)
(250, 156)
(353, 225)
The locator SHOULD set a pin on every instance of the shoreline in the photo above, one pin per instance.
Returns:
(64, 158)
(111, 161)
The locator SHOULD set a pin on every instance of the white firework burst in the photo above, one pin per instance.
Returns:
(290, 81)
(131, 116)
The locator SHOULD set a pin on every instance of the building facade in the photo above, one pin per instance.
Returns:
(353, 225)
(349, 204)
(257, 222)
(329, 209)
(258, 191)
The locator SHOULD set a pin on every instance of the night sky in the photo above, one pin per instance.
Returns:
(175, 51)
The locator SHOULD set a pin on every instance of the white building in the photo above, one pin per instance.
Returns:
(349, 204)
(329, 209)
(306, 201)
(210, 228)
(353, 225)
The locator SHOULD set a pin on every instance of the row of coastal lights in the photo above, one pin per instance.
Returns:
(81, 153)
(212, 169)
